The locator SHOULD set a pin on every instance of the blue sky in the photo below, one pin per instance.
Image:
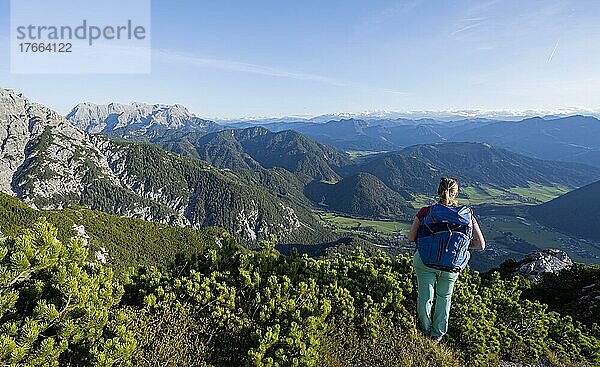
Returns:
(276, 58)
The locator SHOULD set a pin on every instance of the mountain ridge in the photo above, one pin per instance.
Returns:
(575, 212)
(49, 163)
(390, 131)
(361, 194)
(135, 119)
(255, 147)
(417, 169)
(563, 138)
(300, 151)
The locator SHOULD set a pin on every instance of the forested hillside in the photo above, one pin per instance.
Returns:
(257, 147)
(416, 169)
(361, 194)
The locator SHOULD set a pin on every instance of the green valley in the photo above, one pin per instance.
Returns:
(471, 195)
(345, 223)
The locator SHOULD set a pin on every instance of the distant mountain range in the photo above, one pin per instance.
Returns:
(560, 137)
(337, 182)
(448, 115)
(570, 139)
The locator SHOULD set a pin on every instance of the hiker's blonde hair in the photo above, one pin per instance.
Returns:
(448, 191)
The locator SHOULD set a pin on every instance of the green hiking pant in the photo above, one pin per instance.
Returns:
(432, 283)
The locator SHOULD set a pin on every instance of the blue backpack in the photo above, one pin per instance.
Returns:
(444, 236)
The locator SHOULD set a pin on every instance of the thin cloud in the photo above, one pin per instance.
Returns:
(243, 67)
(467, 27)
(553, 52)
(477, 19)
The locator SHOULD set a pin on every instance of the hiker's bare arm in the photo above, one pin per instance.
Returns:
(478, 242)
(412, 235)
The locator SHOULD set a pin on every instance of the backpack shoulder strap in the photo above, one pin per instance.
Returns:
(472, 222)
(430, 214)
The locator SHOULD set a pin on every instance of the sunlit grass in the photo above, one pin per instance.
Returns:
(356, 154)
(486, 194)
(539, 192)
(420, 201)
(344, 223)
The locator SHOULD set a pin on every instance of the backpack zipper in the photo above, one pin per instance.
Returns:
(440, 249)
(449, 237)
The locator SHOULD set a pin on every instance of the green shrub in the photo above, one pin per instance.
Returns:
(55, 305)
(225, 305)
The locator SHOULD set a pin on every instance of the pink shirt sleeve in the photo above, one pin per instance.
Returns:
(422, 213)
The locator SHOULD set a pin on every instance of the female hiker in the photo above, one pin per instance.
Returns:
(444, 233)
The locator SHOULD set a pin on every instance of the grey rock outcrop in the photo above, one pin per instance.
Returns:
(41, 154)
(538, 263)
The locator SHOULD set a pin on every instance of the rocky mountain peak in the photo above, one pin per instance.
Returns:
(19, 115)
(97, 118)
(11, 104)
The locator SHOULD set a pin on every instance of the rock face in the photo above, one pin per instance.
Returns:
(537, 263)
(41, 154)
(49, 163)
(138, 118)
